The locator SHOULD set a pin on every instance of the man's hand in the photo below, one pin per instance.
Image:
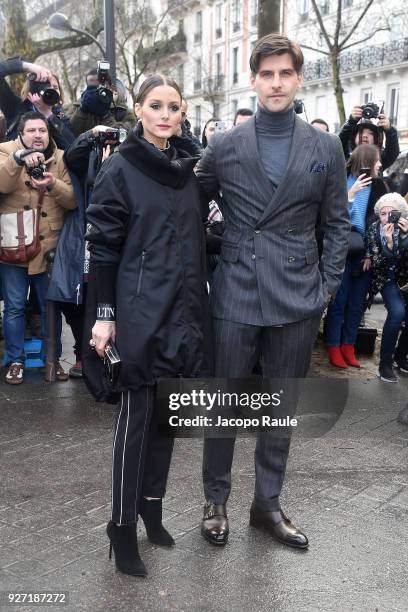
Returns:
(43, 74)
(388, 233)
(383, 122)
(403, 225)
(40, 105)
(33, 159)
(356, 112)
(47, 182)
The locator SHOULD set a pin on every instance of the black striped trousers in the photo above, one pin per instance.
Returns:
(141, 455)
(286, 353)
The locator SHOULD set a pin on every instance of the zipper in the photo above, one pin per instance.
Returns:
(139, 282)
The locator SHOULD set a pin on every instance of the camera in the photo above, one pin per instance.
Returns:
(49, 95)
(394, 217)
(109, 134)
(37, 172)
(105, 94)
(370, 111)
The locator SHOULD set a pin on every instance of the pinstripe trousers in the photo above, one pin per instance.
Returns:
(286, 352)
(140, 457)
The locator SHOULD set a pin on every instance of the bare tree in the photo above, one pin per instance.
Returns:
(339, 35)
(269, 17)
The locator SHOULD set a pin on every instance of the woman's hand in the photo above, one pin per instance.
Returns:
(361, 182)
(42, 73)
(366, 264)
(40, 105)
(388, 233)
(403, 225)
(102, 332)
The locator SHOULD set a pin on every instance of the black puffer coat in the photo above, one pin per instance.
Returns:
(147, 219)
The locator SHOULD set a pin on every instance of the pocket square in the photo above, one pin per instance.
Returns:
(318, 167)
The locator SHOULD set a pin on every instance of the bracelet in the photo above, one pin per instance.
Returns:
(105, 312)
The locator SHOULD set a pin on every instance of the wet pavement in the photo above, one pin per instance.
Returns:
(348, 490)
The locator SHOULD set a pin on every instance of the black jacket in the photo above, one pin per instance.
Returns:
(388, 154)
(13, 107)
(146, 218)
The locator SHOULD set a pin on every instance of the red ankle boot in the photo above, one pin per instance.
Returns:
(336, 358)
(347, 350)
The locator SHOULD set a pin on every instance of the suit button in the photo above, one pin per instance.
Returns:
(290, 231)
(44, 214)
(257, 231)
(253, 256)
(41, 237)
(291, 259)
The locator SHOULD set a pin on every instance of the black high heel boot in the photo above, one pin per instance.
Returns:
(152, 513)
(123, 540)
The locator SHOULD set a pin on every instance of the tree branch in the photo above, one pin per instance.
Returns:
(356, 23)
(314, 49)
(43, 47)
(321, 25)
(358, 42)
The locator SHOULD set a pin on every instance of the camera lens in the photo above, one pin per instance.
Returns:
(37, 173)
(105, 95)
(50, 96)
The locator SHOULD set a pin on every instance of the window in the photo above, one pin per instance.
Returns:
(303, 9)
(235, 65)
(218, 64)
(393, 102)
(366, 95)
(234, 107)
(236, 15)
(253, 100)
(197, 74)
(397, 27)
(198, 34)
(346, 3)
(324, 7)
(321, 107)
(197, 120)
(216, 109)
(218, 21)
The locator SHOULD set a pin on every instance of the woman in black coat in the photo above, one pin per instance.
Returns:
(148, 266)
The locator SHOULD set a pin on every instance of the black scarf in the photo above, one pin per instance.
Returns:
(172, 167)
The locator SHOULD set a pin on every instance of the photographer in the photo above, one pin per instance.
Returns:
(387, 256)
(359, 129)
(101, 103)
(33, 176)
(68, 284)
(13, 106)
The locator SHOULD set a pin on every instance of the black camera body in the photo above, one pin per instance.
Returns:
(49, 95)
(394, 217)
(112, 135)
(37, 172)
(104, 79)
(371, 110)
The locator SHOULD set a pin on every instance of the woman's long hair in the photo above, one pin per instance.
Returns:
(25, 90)
(363, 156)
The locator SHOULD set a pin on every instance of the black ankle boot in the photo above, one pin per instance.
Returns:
(123, 539)
(151, 513)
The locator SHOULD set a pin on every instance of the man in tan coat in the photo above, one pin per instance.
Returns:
(19, 191)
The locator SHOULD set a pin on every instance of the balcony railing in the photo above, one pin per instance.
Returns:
(168, 52)
(214, 86)
(366, 58)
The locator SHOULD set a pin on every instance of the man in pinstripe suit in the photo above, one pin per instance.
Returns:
(277, 174)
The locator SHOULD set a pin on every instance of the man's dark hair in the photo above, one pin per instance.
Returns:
(244, 112)
(322, 122)
(91, 72)
(30, 116)
(275, 44)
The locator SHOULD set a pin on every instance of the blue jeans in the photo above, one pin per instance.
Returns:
(345, 312)
(397, 312)
(15, 282)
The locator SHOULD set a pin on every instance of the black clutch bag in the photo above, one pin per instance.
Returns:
(111, 362)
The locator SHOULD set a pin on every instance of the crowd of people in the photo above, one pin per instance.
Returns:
(196, 258)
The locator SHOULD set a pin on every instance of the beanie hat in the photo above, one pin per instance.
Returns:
(395, 200)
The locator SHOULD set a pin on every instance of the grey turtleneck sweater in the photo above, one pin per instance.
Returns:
(274, 133)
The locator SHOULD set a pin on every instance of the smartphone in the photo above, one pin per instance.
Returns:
(366, 172)
(220, 126)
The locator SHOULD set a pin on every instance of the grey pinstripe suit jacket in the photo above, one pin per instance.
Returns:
(268, 272)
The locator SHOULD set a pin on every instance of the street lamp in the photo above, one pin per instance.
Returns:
(59, 21)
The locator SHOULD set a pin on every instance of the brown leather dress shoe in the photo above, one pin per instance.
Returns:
(279, 526)
(214, 526)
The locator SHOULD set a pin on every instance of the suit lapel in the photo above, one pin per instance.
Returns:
(301, 150)
(246, 146)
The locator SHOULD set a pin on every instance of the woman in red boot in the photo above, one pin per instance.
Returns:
(345, 311)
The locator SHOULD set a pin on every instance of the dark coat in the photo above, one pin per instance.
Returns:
(147, 219)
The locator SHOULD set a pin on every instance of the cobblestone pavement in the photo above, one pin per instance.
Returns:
(348, 490)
